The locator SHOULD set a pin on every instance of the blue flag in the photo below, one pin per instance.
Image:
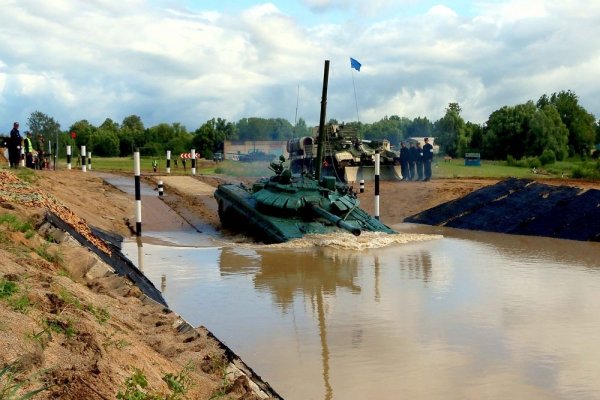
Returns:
(354, 64)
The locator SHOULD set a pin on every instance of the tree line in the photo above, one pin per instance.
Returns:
(554, 127)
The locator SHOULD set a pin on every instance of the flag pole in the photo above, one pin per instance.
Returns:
(355, 100)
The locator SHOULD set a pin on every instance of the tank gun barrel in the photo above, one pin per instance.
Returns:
(339, 222)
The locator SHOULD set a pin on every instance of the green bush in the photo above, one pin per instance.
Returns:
(7, 288)
(533, 162)
(548, 157)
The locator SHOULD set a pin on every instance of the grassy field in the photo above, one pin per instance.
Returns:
(454, 168)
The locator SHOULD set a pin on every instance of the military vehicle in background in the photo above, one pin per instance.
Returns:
(256, 155)
(346, 156)
(288, 206)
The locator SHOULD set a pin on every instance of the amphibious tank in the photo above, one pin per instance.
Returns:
(287, 206)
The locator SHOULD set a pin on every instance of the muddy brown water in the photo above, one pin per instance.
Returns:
(466, 315)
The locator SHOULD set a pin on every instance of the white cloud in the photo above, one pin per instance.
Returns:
(107, 58)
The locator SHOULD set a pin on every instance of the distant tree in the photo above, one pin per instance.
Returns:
(507, 131)
(210, 136)
(41, 124)
(157, 137)
(301, 129)
(579, 122)
(420, 127)
(449, 131)
(105, 143)
(474, 133)
(392, 128)
(83, 131)
(131, 135)
(264, 129)
(547, 133)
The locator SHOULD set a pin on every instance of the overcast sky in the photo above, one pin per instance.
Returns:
(189, 61)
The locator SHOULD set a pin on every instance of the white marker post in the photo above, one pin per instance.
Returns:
(83, 160)
(89, 159)
(69, 157)
(160, 188)
(377, 156)
(138, 207)
(168, 161)
(193, 155)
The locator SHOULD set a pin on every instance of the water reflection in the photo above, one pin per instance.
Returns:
(469, 316)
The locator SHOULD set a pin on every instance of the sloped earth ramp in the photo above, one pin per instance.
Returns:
(522, 206)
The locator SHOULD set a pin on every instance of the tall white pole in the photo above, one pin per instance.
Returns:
(168, 161)
(193, 155)
(138, 207)
(68, 156)
(377, 156)
(83, 160)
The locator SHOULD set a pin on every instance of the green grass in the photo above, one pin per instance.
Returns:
(11, 386)
(9, 291)
(7, 288)
(455, 168)
(573, 168)
(15, 224)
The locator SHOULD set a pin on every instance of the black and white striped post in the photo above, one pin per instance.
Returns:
(89, 159)
(138, 193)
(83, 160)
(193, 156)
(68, 156)
(361, 184)
(377, 157)
(138, 207)
(168, 161)
(22, 162)
(160, 188)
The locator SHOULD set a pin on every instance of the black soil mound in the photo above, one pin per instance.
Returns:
(522, 207)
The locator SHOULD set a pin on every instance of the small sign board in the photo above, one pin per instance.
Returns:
(473, 159)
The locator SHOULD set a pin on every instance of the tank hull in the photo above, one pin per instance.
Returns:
(275, 215)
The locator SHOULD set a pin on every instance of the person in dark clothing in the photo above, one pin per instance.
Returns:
(413, 154)
(14, 146)
(427, 159)
(41, 157)
(419, 163)
(404, 162)
(28, 147)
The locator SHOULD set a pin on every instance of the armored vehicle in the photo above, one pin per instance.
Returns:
(287, 206)
(346, 156)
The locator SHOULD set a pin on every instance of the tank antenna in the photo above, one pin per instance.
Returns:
(321, 140)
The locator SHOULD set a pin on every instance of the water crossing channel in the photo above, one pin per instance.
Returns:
(469, 315)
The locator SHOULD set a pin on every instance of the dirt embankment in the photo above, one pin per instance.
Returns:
(68, 322)
(71, 326)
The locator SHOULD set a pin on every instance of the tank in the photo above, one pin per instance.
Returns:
(346, 156)
(290, 205)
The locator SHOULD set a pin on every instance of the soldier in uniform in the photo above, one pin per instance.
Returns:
(14, 146)
(419, 162)
(404, 156)
(413, 155)
(427, 159)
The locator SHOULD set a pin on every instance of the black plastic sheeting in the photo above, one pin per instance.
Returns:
(522, 207)
(121, 264)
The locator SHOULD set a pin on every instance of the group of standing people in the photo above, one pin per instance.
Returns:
(16, 143)
(415, 161)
